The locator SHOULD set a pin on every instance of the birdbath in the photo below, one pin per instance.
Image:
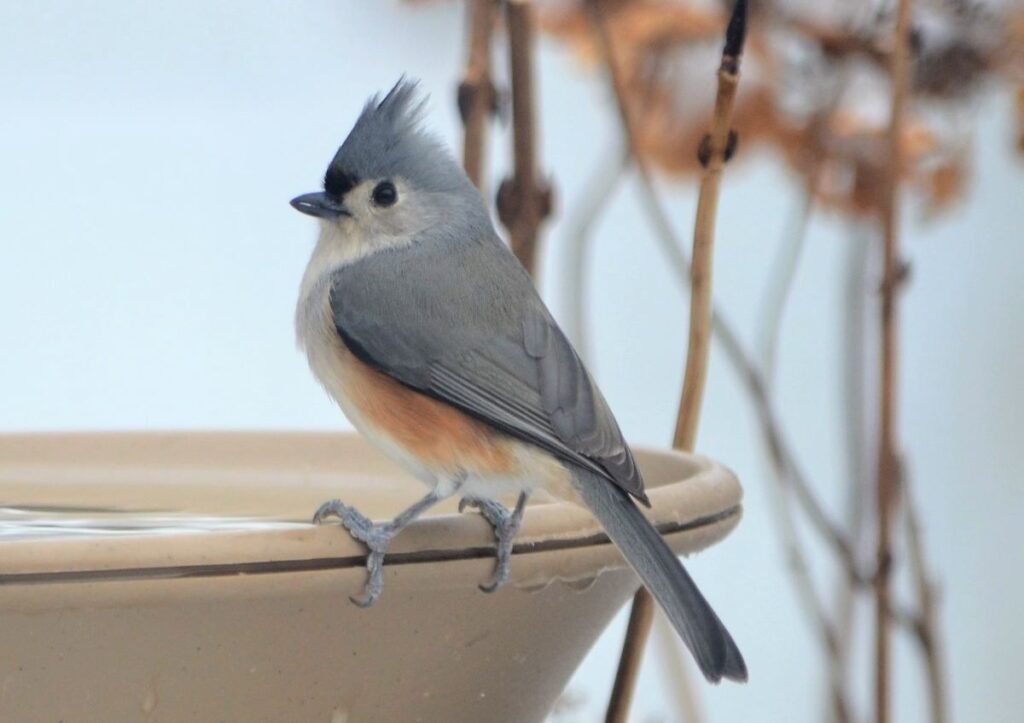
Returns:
(175, 576)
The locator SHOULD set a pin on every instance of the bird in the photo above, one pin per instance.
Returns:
(421, 324)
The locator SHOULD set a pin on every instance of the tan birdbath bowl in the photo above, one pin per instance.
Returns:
(175, 576)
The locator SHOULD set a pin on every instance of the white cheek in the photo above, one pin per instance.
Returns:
(358, 202)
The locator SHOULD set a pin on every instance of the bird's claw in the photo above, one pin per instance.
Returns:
(505, 524)
(376, 537)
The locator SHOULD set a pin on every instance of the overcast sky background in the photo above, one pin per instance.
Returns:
(149, 265)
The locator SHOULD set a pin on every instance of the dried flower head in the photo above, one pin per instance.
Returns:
(815, 84)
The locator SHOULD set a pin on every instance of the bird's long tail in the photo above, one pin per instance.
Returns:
(664, 576)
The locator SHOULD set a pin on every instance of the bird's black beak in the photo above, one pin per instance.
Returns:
(319, 205)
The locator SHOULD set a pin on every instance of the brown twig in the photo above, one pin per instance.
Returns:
(926, 623)
(477, 96)
(524, 200)
(789, 472)
(780, 280)
(892, 274)
(642, 612)
(750, 376)
(782, 456)
(774, 304)
(713, 156)
(855, 415)
(641, 615)
(814, 608)
(1019, 104)
(675, 673)
(752, 379)
(618, 83)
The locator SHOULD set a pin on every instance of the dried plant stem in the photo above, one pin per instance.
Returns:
(779, 285)
(777, 292)
(780, 281)
(854, 423)
(598, 193)
(888, 471)
(813, 606)
(700, 296)
(1019, 102)
(641, 615)
(787, 474)
(717, 148)
(642, 612)
(752, 379)
(524, 201)
(926, 624)
(476, 96)
(677, 675)
(750, 376)
(595, 198)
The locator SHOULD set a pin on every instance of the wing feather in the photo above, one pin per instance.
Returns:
(474, 334)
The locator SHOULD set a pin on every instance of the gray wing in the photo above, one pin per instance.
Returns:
(466, 326)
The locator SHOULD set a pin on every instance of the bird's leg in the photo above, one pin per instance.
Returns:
(376, 537)
(505, 525)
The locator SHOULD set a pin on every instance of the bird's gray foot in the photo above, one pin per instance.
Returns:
(376, 537)
(505, 524)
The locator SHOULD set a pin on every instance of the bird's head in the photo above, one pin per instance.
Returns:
(390, 180)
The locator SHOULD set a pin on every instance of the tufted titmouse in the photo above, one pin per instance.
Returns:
(429, 334)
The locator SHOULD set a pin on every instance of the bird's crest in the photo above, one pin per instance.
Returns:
(387, 141)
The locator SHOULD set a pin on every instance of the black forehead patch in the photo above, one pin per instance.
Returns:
(337, 182)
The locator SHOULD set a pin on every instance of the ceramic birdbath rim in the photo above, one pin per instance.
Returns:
(238, 503)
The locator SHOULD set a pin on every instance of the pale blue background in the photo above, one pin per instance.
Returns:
(149, 264)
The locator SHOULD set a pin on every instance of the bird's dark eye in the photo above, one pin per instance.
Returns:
(384, 194)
